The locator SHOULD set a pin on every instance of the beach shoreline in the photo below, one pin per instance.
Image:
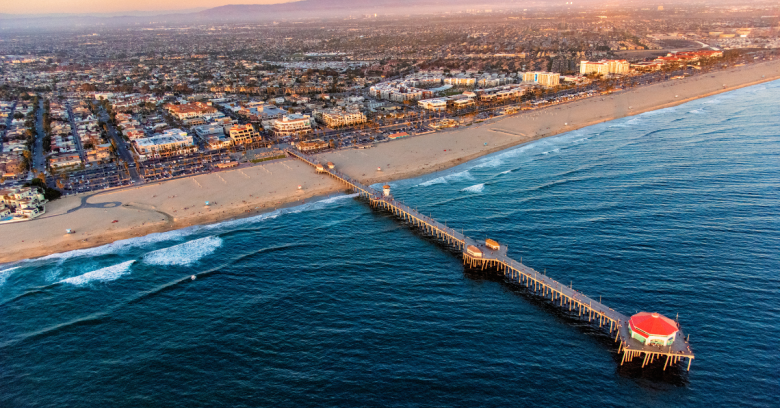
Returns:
(105, 217)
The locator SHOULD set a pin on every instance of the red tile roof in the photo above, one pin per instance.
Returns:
(652, 324)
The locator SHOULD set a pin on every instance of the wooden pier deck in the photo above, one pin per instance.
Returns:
(565, 297)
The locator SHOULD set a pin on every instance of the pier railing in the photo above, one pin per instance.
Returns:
(565, 297)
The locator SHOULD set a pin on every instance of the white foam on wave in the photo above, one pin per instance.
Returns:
(118, 246)
(552, 151)
(697, 111)
(5, 273)
(477, 188)
(658, 111)
(498, 159)
(312, 206)
(184, 254)
(106, 274)
(461, 175)
(626, 124)
(127, 244)
(438, 180)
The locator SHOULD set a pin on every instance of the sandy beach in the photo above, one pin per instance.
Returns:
(251, 189)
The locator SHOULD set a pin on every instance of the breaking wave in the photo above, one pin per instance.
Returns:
(478, 188)
(184, 254)
(106, 274)
(148, 240)
(5, 273)
(461, 175)
(118, 246)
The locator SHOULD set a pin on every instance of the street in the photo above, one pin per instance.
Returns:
(122, 151)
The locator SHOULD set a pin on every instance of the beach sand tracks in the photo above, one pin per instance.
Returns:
(507, 132)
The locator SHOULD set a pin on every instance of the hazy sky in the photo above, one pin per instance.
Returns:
(112, 6)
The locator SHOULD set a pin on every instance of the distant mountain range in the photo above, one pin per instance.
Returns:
(303, 9)
(330, 8)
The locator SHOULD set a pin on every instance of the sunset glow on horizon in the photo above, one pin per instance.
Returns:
(102, 6)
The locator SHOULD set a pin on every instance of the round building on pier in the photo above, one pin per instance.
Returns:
(653, 328)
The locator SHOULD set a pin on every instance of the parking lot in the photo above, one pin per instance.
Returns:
(95, 178)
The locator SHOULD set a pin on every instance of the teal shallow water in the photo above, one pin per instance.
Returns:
(331, 303)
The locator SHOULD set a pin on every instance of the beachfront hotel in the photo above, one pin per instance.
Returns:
(604, 67)
(292, 125)
(339, 117)
(173, 141)
(241, 134)
(434, 104)
(547, 79)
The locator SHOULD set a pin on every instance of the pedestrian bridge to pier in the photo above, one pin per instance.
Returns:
(485, 257)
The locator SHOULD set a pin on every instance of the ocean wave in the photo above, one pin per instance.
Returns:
(658, 111)
(146, 240)
(5, 273)
(106, 274)
(461, 175)
(184, 254)
(552, 151)
(498, 159)
(117, 246)
(477, 188)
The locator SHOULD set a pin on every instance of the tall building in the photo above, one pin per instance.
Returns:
(604, 67)
(548, 79)
(241, 134)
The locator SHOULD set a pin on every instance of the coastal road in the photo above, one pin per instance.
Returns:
(75, 133)
(121, 147)
(39, 160)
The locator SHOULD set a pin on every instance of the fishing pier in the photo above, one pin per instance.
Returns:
(489, 255)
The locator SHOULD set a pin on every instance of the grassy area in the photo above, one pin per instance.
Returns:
(281, 156)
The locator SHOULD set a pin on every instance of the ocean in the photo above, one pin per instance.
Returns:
(334, 304)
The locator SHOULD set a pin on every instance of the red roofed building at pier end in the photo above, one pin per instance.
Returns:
(653, 328)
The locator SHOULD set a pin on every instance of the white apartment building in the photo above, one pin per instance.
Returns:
(604, 67)
(397, 91)
(548, 79)
(435, 104)
(170, 142)
(334, 118)
(461, 81)
(292, 125)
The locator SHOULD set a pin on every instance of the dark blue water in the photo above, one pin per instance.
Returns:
(331, 303)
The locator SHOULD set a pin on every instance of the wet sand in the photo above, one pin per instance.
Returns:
(249, 190)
